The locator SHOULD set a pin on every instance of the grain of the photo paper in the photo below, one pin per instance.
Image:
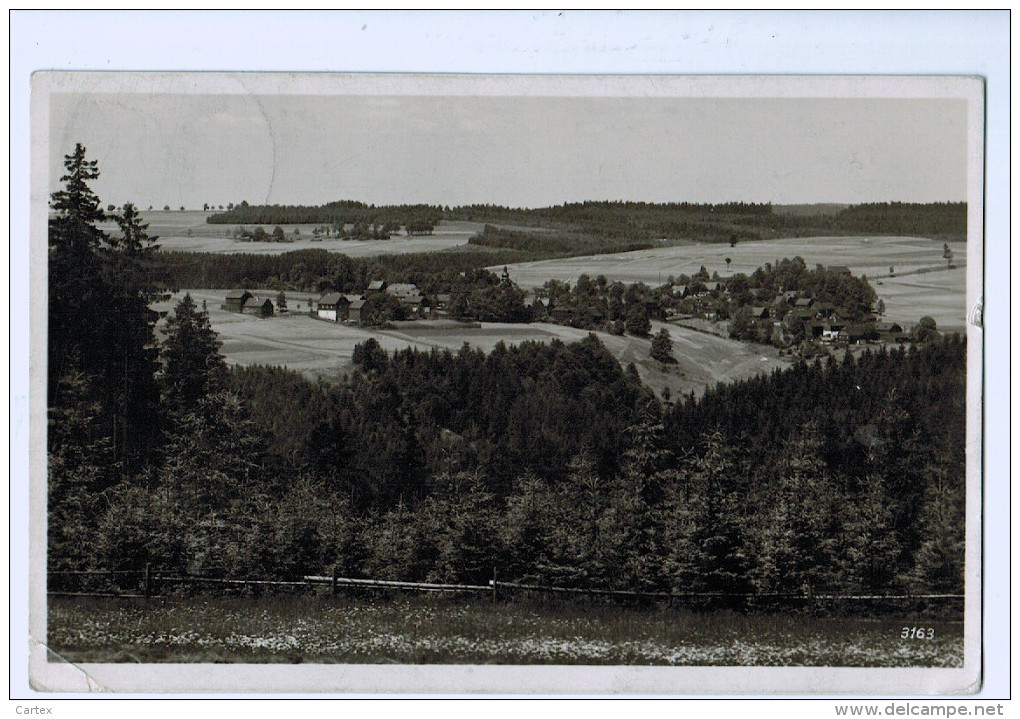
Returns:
(619, 388)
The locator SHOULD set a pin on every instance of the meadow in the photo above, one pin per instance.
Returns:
(452, 630)
(188, 231)
(922, 284)
(325, 349)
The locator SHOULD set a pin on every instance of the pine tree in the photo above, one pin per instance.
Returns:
(192, 364)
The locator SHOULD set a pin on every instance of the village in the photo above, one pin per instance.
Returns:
(728, 307)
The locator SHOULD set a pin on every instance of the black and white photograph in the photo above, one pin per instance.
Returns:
(644, 373)
(390, 383)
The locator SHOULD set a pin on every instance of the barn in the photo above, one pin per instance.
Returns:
(236, 300)
(354, 310)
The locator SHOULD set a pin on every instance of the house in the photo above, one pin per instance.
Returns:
(823, 310)
(797, 316)
(236, 300)
(401, 289)
(891, 332)
(760, 313)
(376, 286)
(803, 302)
(561, 313)
(328, 307)
(856, 334)
(354, 311)
(814, 329)
(888, 328)
(829, 333)
(413, 301)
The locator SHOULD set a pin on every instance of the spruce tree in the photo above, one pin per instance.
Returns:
(192, 364)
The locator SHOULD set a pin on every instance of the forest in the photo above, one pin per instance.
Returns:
(550, 462)
(334, 215)
(642, 221)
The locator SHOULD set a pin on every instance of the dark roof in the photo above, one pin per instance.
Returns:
(357, 304)
(888, 327)
(352, 298)
(376, 285)
(402, 288)
(804, 302)
(330, 298)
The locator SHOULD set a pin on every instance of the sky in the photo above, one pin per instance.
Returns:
(190, 149)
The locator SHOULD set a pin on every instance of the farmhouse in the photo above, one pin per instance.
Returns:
(760, 313)
(236, 300)
(328, 307)
(376, 286)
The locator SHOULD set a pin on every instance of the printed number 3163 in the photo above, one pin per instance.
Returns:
(917, 633)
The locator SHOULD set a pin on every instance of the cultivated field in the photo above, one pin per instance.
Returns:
(324, 349)
(172, 229)
(911, 294)
(423, 630)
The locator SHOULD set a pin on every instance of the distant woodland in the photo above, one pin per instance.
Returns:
(642, 221)
(550, 462)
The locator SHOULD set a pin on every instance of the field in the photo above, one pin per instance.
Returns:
(324, 349)
(922, 286)
(430, 630)
(172, 229)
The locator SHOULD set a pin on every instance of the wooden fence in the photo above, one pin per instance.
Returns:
(145, 584)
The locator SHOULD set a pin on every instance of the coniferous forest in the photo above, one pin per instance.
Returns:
(551, 462)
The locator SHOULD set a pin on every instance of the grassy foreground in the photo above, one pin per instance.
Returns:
(427, 630)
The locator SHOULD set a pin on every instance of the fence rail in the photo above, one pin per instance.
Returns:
(149, 582)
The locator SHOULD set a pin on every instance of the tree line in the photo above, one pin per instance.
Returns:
(640, 221)
(420, 219)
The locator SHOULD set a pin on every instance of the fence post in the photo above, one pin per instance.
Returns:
(332, 584)
(148, 580)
